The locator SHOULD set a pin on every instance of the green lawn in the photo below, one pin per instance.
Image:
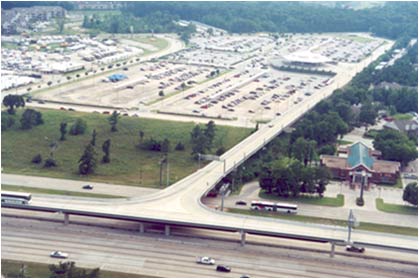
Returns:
(129, 164)
(334, 222)
(344, 142)
(402, 116)
(325, 201)
(10, 268)
(395, 208)
(34, 190)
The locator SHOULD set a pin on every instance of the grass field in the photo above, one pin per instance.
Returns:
(395, 208)
(344, 142)
(34, 190)
(11, 268)
(129, 164)
(334, 222)
(325, 201)
(402, 116)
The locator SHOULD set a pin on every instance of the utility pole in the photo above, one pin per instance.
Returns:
(167, 171)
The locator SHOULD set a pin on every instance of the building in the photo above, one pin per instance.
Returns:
(406, 126)
(306, 59)
(358, 162)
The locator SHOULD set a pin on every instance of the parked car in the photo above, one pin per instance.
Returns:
(241, 203)
(58, 254)
(353, 248)
(205, 260)
(87, 187)
(223, 268)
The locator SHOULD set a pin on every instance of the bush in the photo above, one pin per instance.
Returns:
(49, 163)
(37, 159)
(78, 128)
(180, 146)
(220, 151)
(7, 121)
(359, 202)
(31, 118)
(161, 93)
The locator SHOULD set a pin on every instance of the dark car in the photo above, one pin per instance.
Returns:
(241, 203)
(352, 248)
(87, 187)
(130, 87)
(223, 268)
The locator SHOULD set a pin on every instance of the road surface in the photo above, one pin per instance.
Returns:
(152, 255)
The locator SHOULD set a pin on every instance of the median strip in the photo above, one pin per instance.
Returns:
(34, 190)
(325, 221)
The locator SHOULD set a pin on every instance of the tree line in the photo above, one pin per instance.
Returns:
(391, 20)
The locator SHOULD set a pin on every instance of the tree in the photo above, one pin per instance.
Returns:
(63, 130)
(69, 270)
(79, 127)
(321, 176)
(93, 141)
(87, 162)
(113, 120)
(395, 146)
(410, 193)
(7, 121)
(165, 146)
(304, 150)
(13, 101)
(210, 133)
(266, 181)
(196, 133)
(50, 162)
(31, 118)
(368, 114)
(141, 134)
(106, 149)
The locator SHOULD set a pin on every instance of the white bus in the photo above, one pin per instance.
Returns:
(270, 206)
(15, 197)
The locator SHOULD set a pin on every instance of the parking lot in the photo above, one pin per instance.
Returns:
(218, 79)
(144, 84)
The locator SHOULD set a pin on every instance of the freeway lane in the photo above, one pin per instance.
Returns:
(181, 202)
(151, 255)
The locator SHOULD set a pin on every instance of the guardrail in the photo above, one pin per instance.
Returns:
(167, 223)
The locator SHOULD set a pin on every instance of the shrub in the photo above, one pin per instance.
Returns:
(220, 151)
(180, 146)
(78, 128)
(37, 159)
(31, 118)
(49, 163)
(7, 121)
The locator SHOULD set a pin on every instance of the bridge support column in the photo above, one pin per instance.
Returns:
(66, 219)
(167, 230)
(242, 237)
(141, 228)
(332, 249)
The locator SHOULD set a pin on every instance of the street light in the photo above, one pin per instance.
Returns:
(352, 222)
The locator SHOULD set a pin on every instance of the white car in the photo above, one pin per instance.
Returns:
(205, 260)
(58, 254)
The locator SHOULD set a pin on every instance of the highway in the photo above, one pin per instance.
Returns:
(147, 254)
(180, 203)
